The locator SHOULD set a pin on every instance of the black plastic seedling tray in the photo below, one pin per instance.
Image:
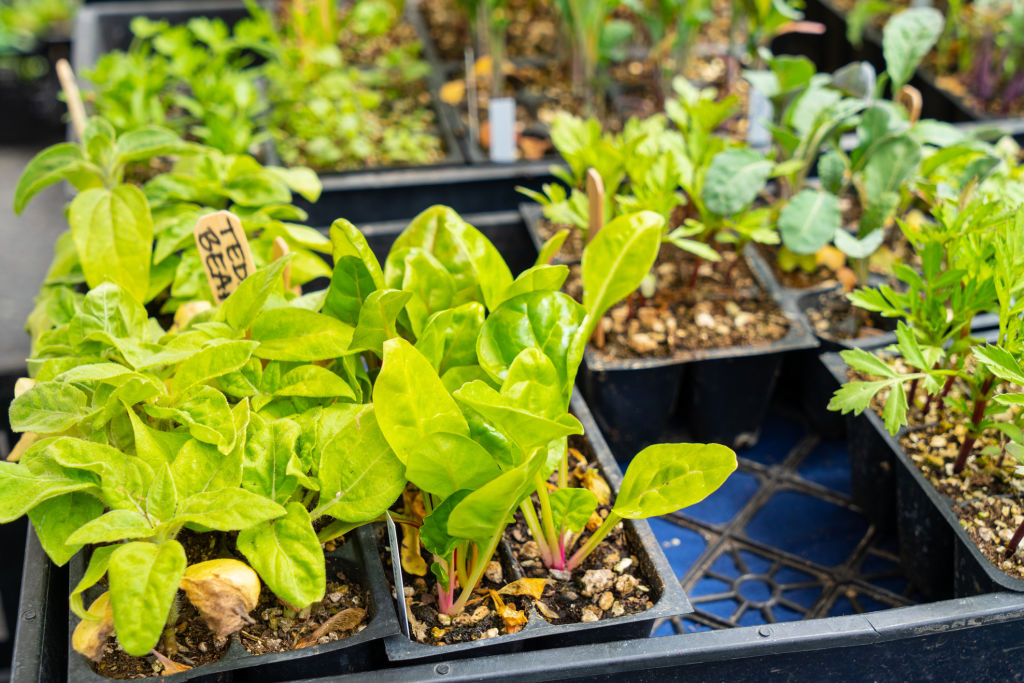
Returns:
(936, 551)
(30, 111)
(359, 560)
(669, 599)
(721, 395)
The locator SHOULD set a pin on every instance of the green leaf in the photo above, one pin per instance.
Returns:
(486, 511)
(113, 233)
(162, 498)
(144, 579)
(358, 471)
(527, 429)
(809, 221)
(94, 571)
(550, 247)
(445, 463)
(832, 170)
(410, 400)
(351, 284)
(617, 260)
(733, 180)
(434, 532)
(348, 241)
(294, 334)
(432, 287)
(156, 448)
(218, 357)
(287, 555)
(667, 477)
(141, 144)
(55, 519)
(449, 338)
(907, 38)
(303, 181)
(50, 166)
(549, 321)
(856, 396)
(537, 278)
(201, 467)
(242, 306)
(227, 509)
(377, 319)
(123, 478)
(313, 381)
(701, 249)
(116, 525)
(270, 448)
(478, 270)
(571, 508)
(890, 164)
(1000, 363)
(49, 408)
(868, 363)
(859, 248)
(895, 411)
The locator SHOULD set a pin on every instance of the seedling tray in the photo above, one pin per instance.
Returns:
(670, 602)
(721, 394)
(937, 553)
(30, 112)
(358, 558)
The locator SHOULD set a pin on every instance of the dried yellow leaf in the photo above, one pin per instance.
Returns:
(90, 636)
(453, 92)
(514, 619)
(595, 483)
(830, 257)
(224, 592)
(412, 561)
(533, 588)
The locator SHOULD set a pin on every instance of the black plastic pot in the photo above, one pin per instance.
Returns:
(934, 548)
(718, 395)
(670, 600)
(361, 652)
(30, 112)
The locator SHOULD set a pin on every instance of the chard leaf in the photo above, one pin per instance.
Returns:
(551, 247)
(295, 334)
(377, 319)
(313, 381)
(487, 510)
(432, 288)
(351, 284)
(448, 339)
(410, 401)
(346, 240)
(358, 471)
(287, 555)
(667, 477)
(144, 579)
(434, 532)
(571, 508)
(242, 306)
(445, 463)
(538, 278)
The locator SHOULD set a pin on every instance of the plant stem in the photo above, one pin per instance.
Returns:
(1014, 543)
(563, 470)
(548, 520)
(460, 565)
(592, 543)
(980, 401)
(530, 515)
(479, 567)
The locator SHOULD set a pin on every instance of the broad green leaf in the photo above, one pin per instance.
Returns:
(890, 164)
(156, 448)
(217, 358)
(21, 489)
(144, 579)
(907, 38)
(859, 248)
(206, 413)
(434, 532)
(303, 181)
(141, 144)
(313, 381)
(116, 525)
(486, 511)
(667, 477)
(449, 338)
(479, 271)
(358, 471)
(550, 247)
(162, 498)
(445, 463)
(533, 384)
(348, 241)
(50, 166)
(242, 306)
(617, 260)
(287, 555)
(201, 467)
(548, 321)
(55, 519)
(123, 479)
(733, 180)
(227, 509)
(377, 319)
(527, 429)
(809, 221)
(94, 571)
(571, 508)
(351, 284)
(96, 372)
(49, 408)
(113, 233)
(271, 446)
(410, 401)
(832, 170)
(295, 334)
(537, 278)
(432, 287)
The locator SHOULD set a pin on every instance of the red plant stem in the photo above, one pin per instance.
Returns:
(912, 393)
(693, 275)
(942, 395)
(1014, 543)
(980, 401)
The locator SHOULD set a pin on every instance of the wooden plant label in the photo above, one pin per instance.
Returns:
(224, 251)
(595, 200)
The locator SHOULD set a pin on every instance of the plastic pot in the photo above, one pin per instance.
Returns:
(936, 553)
(636, 401)
(358, 558)
(670, 600)
(30, 112)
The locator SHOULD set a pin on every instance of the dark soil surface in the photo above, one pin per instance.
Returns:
(610, 583)
(835, 317)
